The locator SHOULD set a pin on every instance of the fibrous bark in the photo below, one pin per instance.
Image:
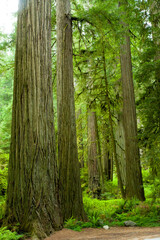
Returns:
(69, 172)
(32, 198)
(80, 138)
(120, 146)
(134, 184)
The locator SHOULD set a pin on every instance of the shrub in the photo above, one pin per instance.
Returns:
(3, 172)
(3, 180)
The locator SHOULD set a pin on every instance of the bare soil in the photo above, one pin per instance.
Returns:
(117, 233)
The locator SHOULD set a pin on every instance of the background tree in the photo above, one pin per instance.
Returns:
(93, 157)
(79, 124)
(32, 198)
(106, 156)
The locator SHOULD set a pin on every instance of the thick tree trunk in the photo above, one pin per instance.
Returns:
(32, 194)
(134, 185)
(154, 18)
(93, 169)
(69, 172)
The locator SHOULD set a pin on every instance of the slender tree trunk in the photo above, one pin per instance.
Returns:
(120, 146)
(80, 138)
(69, 172)
(111, 129)
(93, 169)
(99, 156)
(32, 198)
(107, 160)
(134, 184)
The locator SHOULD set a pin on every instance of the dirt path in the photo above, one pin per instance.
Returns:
(117, 233)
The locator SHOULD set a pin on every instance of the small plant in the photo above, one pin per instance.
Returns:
(3, 172)
(143, 209)
(2, 207)
(76, 225)
(110, 190)
(6, 234)
(73, 224)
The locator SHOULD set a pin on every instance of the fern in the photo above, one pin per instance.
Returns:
(7, 234)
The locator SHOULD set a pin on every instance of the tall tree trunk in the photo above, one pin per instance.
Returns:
(154, 18)
(32, 194)
(93, 169)
(120, 146)
(99, 156)
(134, 184)
(69, 172)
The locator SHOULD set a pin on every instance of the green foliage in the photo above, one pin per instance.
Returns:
(7, 43)
(3, 172)
(6, 234)
(3, 180)
(78, 225)
(151, 184)
(115, 212)
(143, 213)
(96, 208)
(111, 189)
(73, 224)
(5, 128)
(84, 178)
(2, 207)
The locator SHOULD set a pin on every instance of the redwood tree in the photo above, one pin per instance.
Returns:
(32, 197)
(69, 172)
(134, 184)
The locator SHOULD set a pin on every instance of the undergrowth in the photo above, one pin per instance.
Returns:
(115, 212)
(6, 234)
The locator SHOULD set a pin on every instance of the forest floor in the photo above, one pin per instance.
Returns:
(117, 233)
